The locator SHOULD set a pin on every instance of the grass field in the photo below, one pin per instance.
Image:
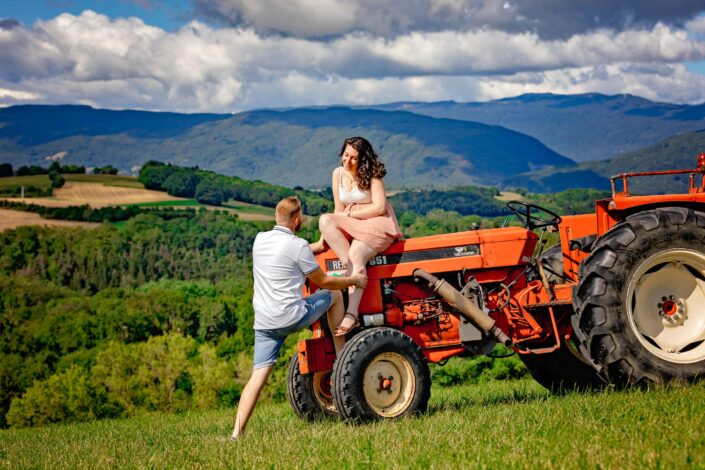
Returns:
(245, 208)
(39, 181)
(107, 180)
(174, 203)
(10, 219)
(514, 424)
(113, 190)
(509, 196)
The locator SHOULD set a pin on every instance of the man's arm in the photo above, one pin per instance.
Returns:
(319, 278)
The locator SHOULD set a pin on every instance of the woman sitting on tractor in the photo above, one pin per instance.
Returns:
(363, 223)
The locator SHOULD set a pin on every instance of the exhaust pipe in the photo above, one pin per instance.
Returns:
(468, 310)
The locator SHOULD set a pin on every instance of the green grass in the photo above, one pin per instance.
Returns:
(40, 181)
(514, 424)
(106, 180)
(184, 202)
(246, 208)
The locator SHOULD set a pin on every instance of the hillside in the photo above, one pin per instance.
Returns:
(583, 127)
(674, 153)
(291, 148)
(511, 424)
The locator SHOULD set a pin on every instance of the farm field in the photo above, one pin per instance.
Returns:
(40, 181)
(110, 190)
(106, 180)
(514, 424)
(10, 219)
(509, 196)
(76, 193)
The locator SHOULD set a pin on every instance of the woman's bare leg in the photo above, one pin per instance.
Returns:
(335, 238)
(359, 255)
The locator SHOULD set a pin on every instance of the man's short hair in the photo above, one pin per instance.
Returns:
(287, 209)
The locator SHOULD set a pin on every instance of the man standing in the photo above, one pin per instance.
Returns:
(281, 263)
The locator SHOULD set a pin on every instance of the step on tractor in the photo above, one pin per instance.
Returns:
(618, 302)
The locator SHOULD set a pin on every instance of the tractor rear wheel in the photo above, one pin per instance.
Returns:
(309, 395)
(562, 370)
(381, 373)
(641, 299)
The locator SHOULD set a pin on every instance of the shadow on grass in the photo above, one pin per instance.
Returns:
(509, 395)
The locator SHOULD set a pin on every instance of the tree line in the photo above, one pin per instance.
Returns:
(6, 169)
(211, 188)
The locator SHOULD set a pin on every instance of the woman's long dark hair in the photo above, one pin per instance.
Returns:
(368, 163)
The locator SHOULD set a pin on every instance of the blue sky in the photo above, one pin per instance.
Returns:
(168, 16)
(233, 55)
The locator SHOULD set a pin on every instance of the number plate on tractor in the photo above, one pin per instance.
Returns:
(411, 256)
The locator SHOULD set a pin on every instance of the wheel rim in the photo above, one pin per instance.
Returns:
(322, 390)
(666, 305)
(389, 384)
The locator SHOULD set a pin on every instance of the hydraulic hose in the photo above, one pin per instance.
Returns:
(468, 310)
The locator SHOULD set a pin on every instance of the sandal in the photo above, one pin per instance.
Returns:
(344, 330)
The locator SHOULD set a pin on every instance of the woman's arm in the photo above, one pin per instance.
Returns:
(377, 206)
(335, 184)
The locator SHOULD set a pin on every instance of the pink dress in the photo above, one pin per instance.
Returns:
(376, 232)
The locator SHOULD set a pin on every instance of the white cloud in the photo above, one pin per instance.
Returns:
(696, 27)
(124, 63)
(673, 83)
(389, 18)
(18, 95)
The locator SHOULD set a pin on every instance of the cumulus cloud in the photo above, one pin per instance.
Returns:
(125, 63)
(388, 18)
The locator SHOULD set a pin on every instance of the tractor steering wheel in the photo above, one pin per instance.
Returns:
(523, 211)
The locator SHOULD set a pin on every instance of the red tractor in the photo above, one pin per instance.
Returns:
(620, 301)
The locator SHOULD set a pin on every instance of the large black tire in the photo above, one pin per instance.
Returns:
(640, 301)
(309, 394)
(562, 371)
(381, 373)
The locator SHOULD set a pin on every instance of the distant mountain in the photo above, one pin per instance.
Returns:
(37, 124)
(292, 148)
(678, 152)
(585, 127)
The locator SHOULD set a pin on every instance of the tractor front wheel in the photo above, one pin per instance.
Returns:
(381, 373)
(641, 299)
(309, 395)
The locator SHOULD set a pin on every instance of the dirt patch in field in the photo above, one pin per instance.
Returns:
(97, 195)
(12, 219)
(509, 196)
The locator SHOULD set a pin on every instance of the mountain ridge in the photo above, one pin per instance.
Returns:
(583, 127)
(293, 148)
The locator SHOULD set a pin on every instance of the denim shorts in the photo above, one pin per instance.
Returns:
(269, 342)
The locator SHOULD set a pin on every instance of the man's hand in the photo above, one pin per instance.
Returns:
(360, 280)
(337, 283)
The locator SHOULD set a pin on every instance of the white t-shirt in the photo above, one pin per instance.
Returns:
(280, 263)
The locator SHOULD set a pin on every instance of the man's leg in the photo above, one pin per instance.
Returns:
(336, 311)
(249, 397)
